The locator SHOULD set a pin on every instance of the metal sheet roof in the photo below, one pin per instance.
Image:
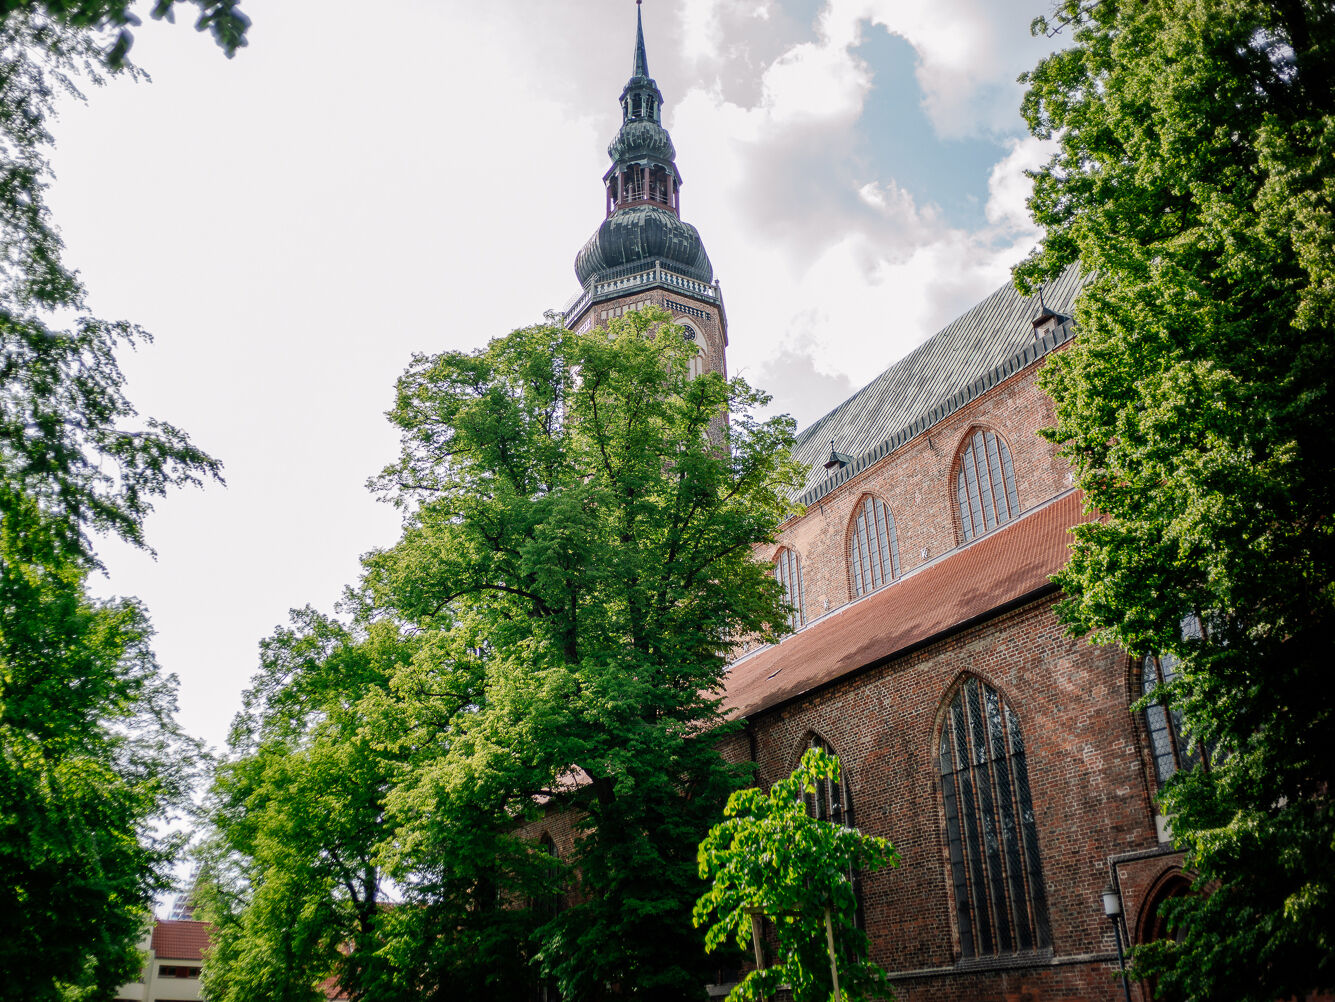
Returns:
(968, 355)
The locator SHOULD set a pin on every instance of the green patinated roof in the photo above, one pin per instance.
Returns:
(642, 234)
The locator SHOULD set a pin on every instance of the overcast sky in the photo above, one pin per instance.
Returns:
(367, 181)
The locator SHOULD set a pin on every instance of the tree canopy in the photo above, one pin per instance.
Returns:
(1193, 180)
(576, 562)
(109, 23)
(91, 761)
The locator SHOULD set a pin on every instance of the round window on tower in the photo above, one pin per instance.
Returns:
(688, 332)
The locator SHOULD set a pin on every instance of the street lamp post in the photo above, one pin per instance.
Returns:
(1112, 907)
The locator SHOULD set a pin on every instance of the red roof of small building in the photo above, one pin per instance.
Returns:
(180, 939)
(1002, 567)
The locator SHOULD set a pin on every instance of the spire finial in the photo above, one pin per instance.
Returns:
(641, 60)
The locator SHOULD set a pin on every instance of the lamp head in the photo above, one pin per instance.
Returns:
(1112, 902)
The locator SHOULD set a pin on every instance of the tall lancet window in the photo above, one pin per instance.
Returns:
(831, 801)
(788, 569)
(1168, 740)
(995, 875)
(985, 485)
(873, 551)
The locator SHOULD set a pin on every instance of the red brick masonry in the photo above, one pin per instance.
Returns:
(996, 570)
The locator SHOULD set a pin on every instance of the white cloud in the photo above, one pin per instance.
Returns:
(829, 272)
(1008, 188)
(814, 82)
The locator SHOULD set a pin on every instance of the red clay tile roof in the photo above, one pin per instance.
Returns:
(181, 939)
(997, 569)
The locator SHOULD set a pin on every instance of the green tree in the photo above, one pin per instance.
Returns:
(292, 881)
(576, 561)
(771, 858)
(90, 759)
(588, 511)
(109, 22)
(1194, 181)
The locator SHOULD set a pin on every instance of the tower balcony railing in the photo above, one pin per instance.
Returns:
(627, 278)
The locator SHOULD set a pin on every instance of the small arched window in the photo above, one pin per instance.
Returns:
(788, 569)
(1168, 742)
(985, 485)
(832, 802)
(995, 873)
(873, 551)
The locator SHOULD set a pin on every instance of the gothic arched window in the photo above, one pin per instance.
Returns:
(995, 873)
(985, 484)
(788, 569)
(873, 552)
(1168, 741)
(830, 802)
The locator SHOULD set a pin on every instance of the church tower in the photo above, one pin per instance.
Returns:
(644, 254)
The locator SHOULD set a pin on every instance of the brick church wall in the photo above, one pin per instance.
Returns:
(1089, 770)
(1086, 771)
(916, 482)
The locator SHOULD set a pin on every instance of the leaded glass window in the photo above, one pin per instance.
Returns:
(995, 874)
(788, 569)
(873, 551)
(985, 485)
(1168, 741)
(830, 802)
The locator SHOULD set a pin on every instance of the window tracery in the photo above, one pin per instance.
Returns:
(831, 801)
(1169, 744)
(873, 550)
(995, 872)
(788, 570)
(985, 484)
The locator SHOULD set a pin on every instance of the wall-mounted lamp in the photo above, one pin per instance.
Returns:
(1112, 907)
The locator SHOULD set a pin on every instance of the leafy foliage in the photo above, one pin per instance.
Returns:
(66, 439)
(302, 802)
(770, 855)
(91, 761)
(1194, 182)
(111, 20)
(576, 559)
(583, 507)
